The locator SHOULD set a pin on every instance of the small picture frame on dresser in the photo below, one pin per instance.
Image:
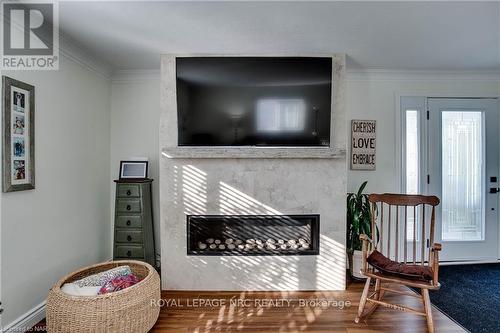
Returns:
(133, 169)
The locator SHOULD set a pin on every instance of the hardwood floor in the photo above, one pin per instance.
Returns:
(252, 315)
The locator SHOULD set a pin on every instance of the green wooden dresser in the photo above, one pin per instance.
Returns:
(134, 238)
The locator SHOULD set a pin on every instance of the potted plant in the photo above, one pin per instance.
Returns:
(358, 222)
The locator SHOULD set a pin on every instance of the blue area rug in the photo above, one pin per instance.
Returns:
(470, 295)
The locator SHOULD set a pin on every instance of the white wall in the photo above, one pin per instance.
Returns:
(65, 222)
(373, 96)
(135, 116)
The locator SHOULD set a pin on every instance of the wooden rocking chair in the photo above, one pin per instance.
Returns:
(409, 267)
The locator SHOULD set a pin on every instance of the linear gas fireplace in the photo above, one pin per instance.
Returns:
(243, 235)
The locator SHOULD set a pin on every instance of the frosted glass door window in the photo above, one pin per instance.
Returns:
(462, 176)
(412, 148)
(412, 164)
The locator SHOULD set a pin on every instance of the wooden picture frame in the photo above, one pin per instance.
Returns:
(139, 173)
(18, 147)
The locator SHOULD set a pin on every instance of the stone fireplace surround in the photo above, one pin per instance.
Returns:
(252, 181)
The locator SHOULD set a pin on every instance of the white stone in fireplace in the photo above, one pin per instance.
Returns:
(248, 181)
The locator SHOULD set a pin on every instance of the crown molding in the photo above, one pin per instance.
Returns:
(133, 75)
(421, 75)
(351, 75)
(73, 51)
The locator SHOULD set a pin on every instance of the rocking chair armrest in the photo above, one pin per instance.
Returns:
(436, 247)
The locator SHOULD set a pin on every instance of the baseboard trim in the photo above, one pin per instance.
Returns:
(27, 320)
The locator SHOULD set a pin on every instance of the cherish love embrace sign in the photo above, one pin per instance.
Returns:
(363, 142)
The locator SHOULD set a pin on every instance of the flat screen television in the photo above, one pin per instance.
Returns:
(254, 101)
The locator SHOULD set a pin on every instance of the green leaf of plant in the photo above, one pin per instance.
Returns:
(359, 218)
(361, 188)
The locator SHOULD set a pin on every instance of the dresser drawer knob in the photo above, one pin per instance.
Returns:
(129, 192)
(129, 253)
(129, 207)
(128, 222)
(129, 238)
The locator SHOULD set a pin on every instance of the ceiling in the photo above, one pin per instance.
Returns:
(374, 35)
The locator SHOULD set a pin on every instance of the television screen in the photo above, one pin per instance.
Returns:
(254, 101)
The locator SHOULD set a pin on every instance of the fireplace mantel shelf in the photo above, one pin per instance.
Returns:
(254, 152)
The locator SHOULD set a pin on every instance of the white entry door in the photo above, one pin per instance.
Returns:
(462, 149)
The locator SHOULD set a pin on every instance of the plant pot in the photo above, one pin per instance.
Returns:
(355, 264)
